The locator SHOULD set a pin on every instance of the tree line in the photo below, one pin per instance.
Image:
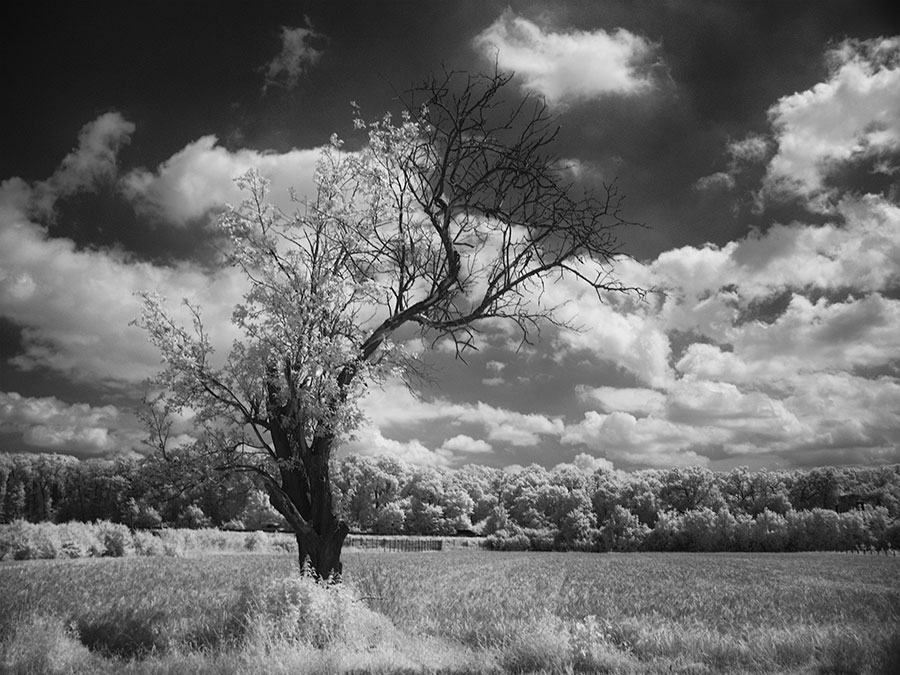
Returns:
(684, 508)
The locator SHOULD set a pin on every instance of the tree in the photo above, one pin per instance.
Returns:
(690, 487)
(455, 214)
(815, 489)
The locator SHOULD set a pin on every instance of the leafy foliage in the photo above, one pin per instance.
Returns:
(535, 508)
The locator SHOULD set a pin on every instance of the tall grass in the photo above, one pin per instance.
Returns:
(21, 540)
(461, 611)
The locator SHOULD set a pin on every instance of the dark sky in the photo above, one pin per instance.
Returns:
(757, 141)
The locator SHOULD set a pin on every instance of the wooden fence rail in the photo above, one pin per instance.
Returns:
(404, 544)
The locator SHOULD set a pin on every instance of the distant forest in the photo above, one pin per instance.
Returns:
(688, 508)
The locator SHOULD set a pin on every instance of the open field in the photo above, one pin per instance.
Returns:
(459, 611)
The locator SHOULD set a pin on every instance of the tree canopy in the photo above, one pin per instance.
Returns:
(453, 214)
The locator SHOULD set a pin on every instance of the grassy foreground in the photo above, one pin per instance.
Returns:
(455, 612)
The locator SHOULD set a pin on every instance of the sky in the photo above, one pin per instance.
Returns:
(758, 143)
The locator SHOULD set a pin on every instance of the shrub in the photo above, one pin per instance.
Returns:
(208, 539)
(146, 543)
(79, 540)
(255, 541)
(892, 535)
(22, 540)
(543, 539)
(504, 541)
(287, 544)
(175, 543)
(115, 537)
(192, 517)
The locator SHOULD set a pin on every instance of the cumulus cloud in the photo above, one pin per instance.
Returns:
(625, 399)
(466, 444)
(803, 419)
(369, 440)
(621, 330)
(707, 287)
(74, 305)
(200, 178)
(298, 54)
(854, 115)
(748, 151)
(78, 429)
(92, 162)
(394, 407)
(808, 337)
(724, 405)
(586, 463)
(648, 442)
(774, 332)
(851, 419)
(568, 67)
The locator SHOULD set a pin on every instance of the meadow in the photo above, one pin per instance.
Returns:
(461, 611)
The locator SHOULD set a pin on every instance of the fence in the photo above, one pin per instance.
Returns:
(404, 544)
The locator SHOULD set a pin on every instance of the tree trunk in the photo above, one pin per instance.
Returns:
(304, 497)
(320, 553)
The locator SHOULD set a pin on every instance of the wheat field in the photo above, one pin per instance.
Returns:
(464, 611)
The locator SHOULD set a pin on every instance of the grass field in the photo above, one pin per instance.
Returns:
(466, 611)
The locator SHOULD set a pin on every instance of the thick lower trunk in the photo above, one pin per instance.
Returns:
(304, 497)
(320, 552)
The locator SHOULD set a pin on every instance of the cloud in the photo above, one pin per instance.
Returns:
(298, 54)
(803, 419)
(720, 180)
(368, 440)
(92, 162)
(77, 429)
(466, 444)
(621, 329)
(854, 115)
(746, 414)
(851, 419)
(782, 344)
(625, 399)
(748, 150)
(808, 337)
(646, 442)
(394, 407)
(569, 67)
(74, 304)
(200, 178)
(708, 288)
(586, 463)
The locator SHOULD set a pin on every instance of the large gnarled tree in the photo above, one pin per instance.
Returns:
(454, 214)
